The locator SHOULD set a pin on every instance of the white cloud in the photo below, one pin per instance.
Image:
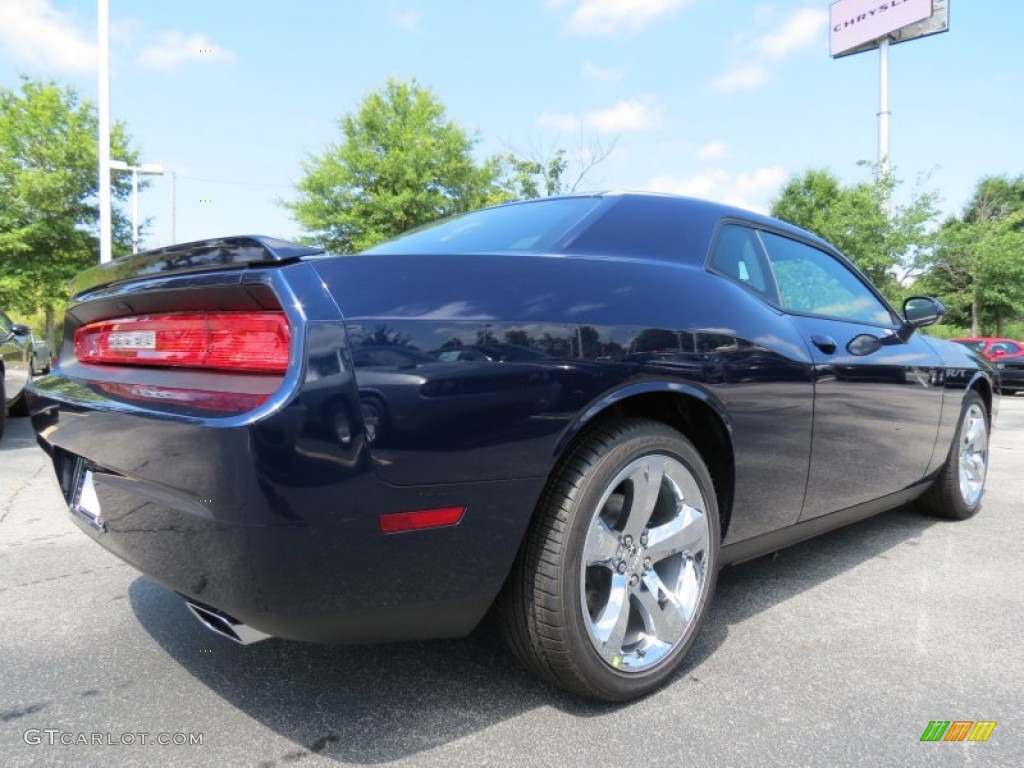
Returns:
(701, 184)
(39, 35)
(751, 190)
(174, 48)
(631, 115)
(604, 74)
(713, 150)
(761, 180)
(559, 121)
(801, 31)
(407, 20)
(602, 17)
(743, 77)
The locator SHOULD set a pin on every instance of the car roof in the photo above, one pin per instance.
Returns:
(708, 210)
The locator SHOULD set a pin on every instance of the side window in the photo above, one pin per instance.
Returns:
(738, 256)
(815, 283)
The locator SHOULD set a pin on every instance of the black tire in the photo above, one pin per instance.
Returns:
(949, 496)
(578, 562)
(3, 403)
(32, 366)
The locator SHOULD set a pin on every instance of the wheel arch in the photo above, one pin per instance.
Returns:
(696, 414)
(981, 384)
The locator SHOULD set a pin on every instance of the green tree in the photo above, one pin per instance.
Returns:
(48, 195)
(977, 268)
(854, 218)
(525, 178)
(400, 163)
(542, 171)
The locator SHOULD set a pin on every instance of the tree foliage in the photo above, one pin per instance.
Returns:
(977, 267)
(401, 162)
(541, 171)
(48, 194)
(855, 219)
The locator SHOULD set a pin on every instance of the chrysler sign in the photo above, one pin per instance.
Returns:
(856, 22)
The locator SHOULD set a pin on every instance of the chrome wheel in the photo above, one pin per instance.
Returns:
(644, 570)
(973, 455)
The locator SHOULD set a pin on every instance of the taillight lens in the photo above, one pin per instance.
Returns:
(253, 342)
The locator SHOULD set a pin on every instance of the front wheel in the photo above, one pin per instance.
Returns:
(957, 490)
(618, 570)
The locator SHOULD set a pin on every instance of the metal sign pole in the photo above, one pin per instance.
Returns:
(106, 249)
(883, 120)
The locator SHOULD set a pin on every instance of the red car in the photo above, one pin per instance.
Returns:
(991, 347)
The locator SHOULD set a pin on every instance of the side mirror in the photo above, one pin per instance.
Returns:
(20, 330)
(921, 311)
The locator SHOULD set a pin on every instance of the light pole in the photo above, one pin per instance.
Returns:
(154, 170)
(103, 29)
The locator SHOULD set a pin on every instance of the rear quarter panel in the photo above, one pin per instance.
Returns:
(608, 327)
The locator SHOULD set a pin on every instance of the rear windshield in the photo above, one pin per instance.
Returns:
(534, 226)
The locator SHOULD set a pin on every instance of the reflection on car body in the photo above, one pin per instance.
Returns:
(574, 411)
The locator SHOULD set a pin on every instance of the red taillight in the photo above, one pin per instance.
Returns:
(253, 342)
(397, 522)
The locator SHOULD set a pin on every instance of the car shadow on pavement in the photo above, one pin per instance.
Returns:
(373, 704)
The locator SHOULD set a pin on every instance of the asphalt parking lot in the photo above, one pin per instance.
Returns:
(838, 651)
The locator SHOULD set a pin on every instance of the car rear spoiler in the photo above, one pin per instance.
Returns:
(199, 256)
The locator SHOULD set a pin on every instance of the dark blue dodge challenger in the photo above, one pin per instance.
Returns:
(572, 412)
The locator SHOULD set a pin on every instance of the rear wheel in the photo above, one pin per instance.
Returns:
(957, 490)
(618, 570)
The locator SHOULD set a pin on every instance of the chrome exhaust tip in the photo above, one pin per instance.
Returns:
(221, 624)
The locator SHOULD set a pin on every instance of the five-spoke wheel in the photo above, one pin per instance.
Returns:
(618, 570)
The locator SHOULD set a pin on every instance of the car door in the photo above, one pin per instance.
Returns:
(877, 404)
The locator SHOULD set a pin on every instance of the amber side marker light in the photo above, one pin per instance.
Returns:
(398, 522)
(250, 342)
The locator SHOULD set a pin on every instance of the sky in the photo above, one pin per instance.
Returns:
(720, 99)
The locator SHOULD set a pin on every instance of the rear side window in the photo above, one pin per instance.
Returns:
(813, 282)
(738, 256)
(533, 226)
(1004, 347)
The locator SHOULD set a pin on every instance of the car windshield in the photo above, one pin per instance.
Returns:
(532, 226)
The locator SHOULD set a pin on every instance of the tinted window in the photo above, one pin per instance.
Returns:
(977, 346)
(738, 256)
(1004, 347)
(534, 226)
(814, 282)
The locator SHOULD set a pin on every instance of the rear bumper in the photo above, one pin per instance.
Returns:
(275, 520)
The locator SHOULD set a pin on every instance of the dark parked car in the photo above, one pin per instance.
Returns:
(1011, 374)
(207, 423)
(15, 366)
